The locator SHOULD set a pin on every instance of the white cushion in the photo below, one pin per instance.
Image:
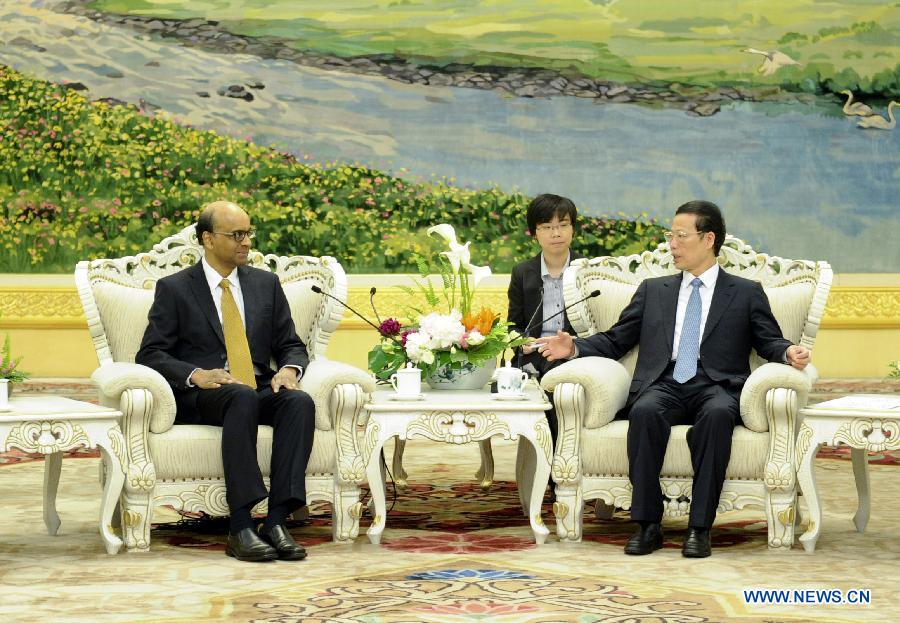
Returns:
(123, 312)
(604, 452)
(305, 306)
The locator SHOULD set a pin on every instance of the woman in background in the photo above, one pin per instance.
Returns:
(535, 287)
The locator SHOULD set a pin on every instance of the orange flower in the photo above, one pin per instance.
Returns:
(483, 321)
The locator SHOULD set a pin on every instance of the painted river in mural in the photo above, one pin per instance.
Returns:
(794, 180)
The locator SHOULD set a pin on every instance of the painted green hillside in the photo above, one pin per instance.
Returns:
(841, 44)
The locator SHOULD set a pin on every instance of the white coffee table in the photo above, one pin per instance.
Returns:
(51, 425)
(458, 417)
(866, 423)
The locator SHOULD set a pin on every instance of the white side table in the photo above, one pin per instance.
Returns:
(459, 417)
(866, 423)
(51, 425)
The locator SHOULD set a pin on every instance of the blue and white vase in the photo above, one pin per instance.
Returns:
(469, 376)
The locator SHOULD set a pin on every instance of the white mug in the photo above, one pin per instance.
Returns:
(407, 381)
(510, 381)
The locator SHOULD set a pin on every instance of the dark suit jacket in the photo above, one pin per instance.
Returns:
(524, 294)
(740, 319)
(185, 333)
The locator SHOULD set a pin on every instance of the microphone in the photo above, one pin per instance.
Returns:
(372, 303)
(529, 326)
(593, 294)
(319, 290)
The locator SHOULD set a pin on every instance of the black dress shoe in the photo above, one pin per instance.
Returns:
(247, 546)
(696, 543)
(646, 540)
(287, 548)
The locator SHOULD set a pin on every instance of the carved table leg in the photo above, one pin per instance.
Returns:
(807, 480)
(485, 473)
(375, 476)
(539, 437)
(52, 467)
(112, 488)
(526, 462)
(397, 465)
(861, 475)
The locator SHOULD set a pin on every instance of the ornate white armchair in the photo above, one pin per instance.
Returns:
(182, 465)
(591, 460)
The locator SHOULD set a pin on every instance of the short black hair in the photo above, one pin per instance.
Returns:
(709, 218)
(544, 207)
(204, 223)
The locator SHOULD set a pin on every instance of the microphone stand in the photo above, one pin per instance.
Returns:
(372, 303)
(319, 290)
(529, 326)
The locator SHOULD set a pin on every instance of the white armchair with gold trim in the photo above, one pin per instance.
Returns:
(591, 460)
(182, 465)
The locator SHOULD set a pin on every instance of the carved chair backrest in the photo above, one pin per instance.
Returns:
(797, 289)
(116, 294)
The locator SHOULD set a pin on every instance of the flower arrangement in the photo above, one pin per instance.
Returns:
(8, 366)
(448, 335)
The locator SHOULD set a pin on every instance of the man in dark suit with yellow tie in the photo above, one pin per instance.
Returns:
(213, 330)
(695, 330)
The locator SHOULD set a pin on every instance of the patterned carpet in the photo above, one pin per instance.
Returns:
(451, 553)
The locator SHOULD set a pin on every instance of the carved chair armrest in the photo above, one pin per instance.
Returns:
(605, 382)
(118, 382)
(760, 411)
(319, 380)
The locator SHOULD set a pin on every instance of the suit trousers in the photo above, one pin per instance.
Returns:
(712, 411)
(239, 409)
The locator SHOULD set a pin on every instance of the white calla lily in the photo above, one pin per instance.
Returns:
(458, 255)
(478, 272)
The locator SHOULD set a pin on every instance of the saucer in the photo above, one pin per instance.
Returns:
(401, 397)
(509, 397)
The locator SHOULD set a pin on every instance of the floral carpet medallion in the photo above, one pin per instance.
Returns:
(479, 594)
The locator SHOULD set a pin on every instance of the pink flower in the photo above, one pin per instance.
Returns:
(404, 335)
(390, 327)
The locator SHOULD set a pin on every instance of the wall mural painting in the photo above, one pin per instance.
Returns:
(377, 118)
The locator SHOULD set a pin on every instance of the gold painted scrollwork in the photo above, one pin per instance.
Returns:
(875, 435)
(456, 427)
(47, 437)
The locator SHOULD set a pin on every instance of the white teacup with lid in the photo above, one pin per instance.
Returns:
(407, 382)
(510, 381)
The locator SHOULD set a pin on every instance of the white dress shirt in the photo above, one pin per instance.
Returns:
(553, 300)
(708, 278)
(214, 280)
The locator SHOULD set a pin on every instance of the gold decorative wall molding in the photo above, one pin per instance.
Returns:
(862, 307)
(35, 307)
(58, 307)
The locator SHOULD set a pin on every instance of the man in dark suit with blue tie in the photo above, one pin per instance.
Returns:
(213, 330)
(695, 331)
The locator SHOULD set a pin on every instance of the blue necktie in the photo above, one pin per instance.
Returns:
(689, 345)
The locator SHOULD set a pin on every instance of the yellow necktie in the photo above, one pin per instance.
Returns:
(236, 347)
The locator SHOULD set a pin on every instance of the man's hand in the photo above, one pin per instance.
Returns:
(798, 356)
(286, 378)
(560, 346)
(212, 379)
(528, 347)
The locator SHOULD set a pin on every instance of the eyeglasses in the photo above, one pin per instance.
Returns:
(546, 227)
(681, 235)
(237, 235)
